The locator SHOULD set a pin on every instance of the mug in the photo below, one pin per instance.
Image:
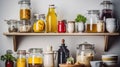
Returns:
(96, 63)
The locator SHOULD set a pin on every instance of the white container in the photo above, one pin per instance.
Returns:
(49, 57)
(111, 28)
(71, 26)
(96, 63)
(110, 21)
(81, 27)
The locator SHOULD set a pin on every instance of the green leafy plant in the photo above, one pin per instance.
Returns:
(7, 57)
(80, 18)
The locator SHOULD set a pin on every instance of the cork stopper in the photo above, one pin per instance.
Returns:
(63, 41)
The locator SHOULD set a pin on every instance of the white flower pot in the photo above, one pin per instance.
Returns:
(81, 27)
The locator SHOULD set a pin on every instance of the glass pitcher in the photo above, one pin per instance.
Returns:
(85, 54)
(92, 19)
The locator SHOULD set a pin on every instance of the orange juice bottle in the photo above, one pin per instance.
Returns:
(51, 20)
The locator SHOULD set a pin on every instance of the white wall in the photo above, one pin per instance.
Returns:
(68, 9)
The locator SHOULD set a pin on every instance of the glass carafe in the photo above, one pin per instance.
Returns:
(51, 20)
(107, 11)
(85, 54)
(35, 58)
(92, 19)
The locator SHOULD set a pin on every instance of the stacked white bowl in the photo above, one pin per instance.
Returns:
(111, 25)
(110, 60)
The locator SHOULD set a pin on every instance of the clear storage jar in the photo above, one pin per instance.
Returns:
(21, 58)
(25, 12)
(25, 26)
(35, 58)
(12, 25)
(92, 19)
(85, 54)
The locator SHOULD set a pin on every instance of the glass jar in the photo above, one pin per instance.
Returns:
(51, 20)
(71, 26)
(12, 25)
(85, 54)
(35, 58)
(107, 11)
(21, 58)
(25, 26)
(39, 24)
(61, 27)
(92, 19)
(25, 12)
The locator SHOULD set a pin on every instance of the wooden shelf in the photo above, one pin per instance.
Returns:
(60, 34)
(15, 43)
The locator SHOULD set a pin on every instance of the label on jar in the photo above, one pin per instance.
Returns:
(25, 14)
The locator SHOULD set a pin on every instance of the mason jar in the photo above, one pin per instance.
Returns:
(35, 58)
(21, 58)
(25, 12)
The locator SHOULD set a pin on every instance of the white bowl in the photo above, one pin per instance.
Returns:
(110, 58)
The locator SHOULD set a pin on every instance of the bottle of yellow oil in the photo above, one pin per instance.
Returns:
(51, 20)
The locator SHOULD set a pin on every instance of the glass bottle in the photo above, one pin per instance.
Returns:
(39, 24)
(25, 12)
(21, 58)
(92, 19)
(85, 54)
(35, 58)
(63, 53)
(51, 20)
(107, 11)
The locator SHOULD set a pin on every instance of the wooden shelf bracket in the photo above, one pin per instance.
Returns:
(15, 43)
(106, 38)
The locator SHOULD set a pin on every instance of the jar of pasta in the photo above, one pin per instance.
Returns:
(21, 58)
(35, 58)
(25, 12)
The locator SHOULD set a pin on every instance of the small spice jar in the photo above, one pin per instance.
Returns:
(21, 59)
(12, 25)
(100, 26)
(61, 27)
(71, 26)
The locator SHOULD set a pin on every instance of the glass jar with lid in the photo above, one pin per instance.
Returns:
(21, 58)
(92, 19)
(85, 54)
(25, 12)
(12, 25)
(107, 11)
(35, 58)
(25, 26)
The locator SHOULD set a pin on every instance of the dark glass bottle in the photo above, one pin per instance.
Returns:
(9, 63)
(63, 53)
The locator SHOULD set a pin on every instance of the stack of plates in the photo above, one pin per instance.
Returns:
(110, 60)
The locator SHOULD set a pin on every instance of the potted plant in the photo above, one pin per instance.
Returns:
(80, 19)
(9, 60)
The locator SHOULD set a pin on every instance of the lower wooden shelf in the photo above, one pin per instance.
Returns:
(15, 43)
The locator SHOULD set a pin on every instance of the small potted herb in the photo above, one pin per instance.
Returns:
(80, 19)
(9, 59)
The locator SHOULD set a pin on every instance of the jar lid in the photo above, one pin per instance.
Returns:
(86, 45)
(93, 11)
(35, 50)
(106, 2)
(24, 2)
(71, 21)
(21, 52)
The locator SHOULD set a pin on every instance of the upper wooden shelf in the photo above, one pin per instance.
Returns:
(60, 34)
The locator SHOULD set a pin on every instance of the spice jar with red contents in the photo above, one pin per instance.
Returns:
(61, 26)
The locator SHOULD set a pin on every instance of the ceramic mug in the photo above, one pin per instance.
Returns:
(96, 63)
